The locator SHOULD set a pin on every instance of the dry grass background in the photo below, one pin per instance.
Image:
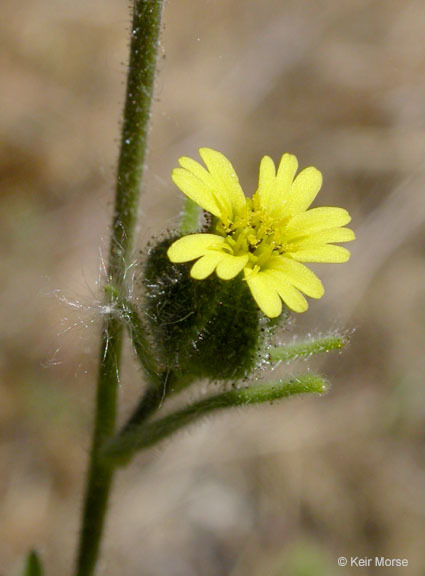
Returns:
(280, 490)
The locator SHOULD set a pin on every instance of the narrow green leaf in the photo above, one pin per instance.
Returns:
(302, 349)
(190, 217)
(33, 565)
(130, 440)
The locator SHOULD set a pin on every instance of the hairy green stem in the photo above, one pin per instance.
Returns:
(305, 348)
(132, 439)
(140, 79)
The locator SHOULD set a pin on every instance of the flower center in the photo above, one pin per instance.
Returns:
(255, 232)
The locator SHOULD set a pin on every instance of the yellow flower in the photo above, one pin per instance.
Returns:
(267, 236)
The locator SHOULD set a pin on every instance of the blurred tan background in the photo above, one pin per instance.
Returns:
(278, 491)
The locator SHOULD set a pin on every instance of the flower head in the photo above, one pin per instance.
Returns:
(267, 236)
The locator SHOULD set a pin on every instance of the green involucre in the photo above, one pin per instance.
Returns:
(208, 328)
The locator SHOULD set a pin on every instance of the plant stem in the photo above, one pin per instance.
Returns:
(140, 79)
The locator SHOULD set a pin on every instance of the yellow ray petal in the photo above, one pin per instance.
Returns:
(304, 190)
(296, 274)
(289, 294)
(285, 175)
(196, 190)
(266, 179)
(230, 266)
(206, 265)
(326, 253)
(193, 246)
(275, 196)
(197, 170)
(217, 191)
(315, 220)
(227, 183)
(264, 294)
(322, 237)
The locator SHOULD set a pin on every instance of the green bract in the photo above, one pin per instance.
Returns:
(211, 329)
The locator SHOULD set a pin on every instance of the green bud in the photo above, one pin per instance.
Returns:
(208, 328)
